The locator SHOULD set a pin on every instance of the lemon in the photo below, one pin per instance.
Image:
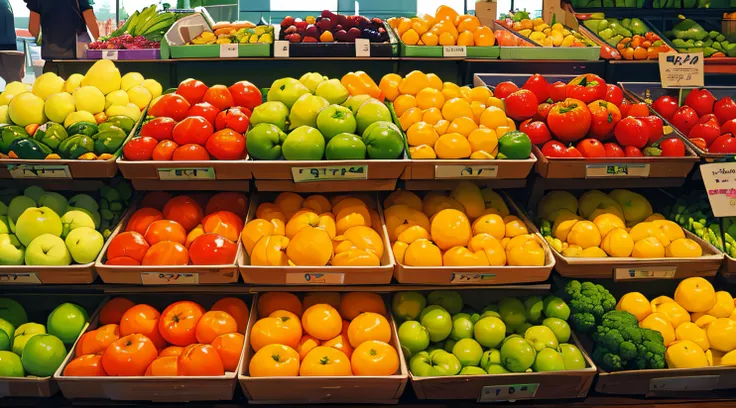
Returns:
(564, 223)
(492, 117)
(685, 354)
(618, 243)
(728, 358)
(593, 252)
(636, 304)
(691, 331)
(722, 334)
(648, 248)
(675, 313)
(585, 234)
(724, 305)
(684, 248)
(661, 323)
(661, 300)
(695, 295)
(514, 226)
(607, 222)
(704, 321)
(669, 228)
(421, 133)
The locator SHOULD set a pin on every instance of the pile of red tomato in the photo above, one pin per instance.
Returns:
(196, 122)
(585, 118)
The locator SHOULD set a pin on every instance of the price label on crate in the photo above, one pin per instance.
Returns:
(617, 170)
(471, 277)
(470, 171)
(454, 51)
(362, 47)
(158, 278)
(510, 392)
(720, 185)
(326, 173)
(691, 383)
(281, 49)
(228, 50)
(26, 278)
(23, 171)
(110, 54)
(190, 173)
(645, 272)
(315, 278)
(681, 70)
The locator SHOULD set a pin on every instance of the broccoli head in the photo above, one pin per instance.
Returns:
(620, 343)
(588, 303)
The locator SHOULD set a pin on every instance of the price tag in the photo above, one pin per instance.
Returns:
(22, 277)
(617, 170)
(192, 173)
(281, 49)
(157, 278)
(460, 171)
(510, 392)
(681, 70)
(306, 174)
(228, 50)
(472, 277)
(720, 185)
(646, 272)
(454, 51)
(362, 47)
(110, 54)
(39, 171)
(693, 383)
(315, 278)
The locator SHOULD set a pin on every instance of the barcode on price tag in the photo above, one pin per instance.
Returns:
(39, 171)
(315, 278)
(362, 47)
(510, 392)
(471, 277)
(720, 185)
(110, 54)
(454, 51)
(281, 49)
(460, 171)
(617, 170)
(194, 173)
(22, 278)
(306, 174)
(158, 278)
(228, 50)
(646, 272)
(681, 70)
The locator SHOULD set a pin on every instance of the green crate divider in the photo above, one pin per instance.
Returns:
(550, 53)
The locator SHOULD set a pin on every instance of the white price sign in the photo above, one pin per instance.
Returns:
(720, 185)
(681, 70)
(306, 174)
(157, 278)
(281, 49)
(110, 54)
(646, 272)
(193, 173)
(22, 278)
(330, 278)
(228, 50)
(471, 277)
(510, 392)
(454, 51)
(39, 171)
(460, 171)
(362, 47)
(617, 170)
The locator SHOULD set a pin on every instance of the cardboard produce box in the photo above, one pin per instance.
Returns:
(486, 11)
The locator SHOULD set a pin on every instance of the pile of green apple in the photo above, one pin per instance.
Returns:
(314, 117)
(32, 348)
(46, 228)
(442, 336)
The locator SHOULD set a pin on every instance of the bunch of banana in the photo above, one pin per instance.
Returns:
(729, 232)
(148, 23)
(692, 212)
(259, 34)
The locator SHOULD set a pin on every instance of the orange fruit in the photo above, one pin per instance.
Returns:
(281, 327)
(493, 117)
(461, 256)
(274, 360)
(450, 228)
(330, 298)
(480, 94)
(410, 37)
(447, 39)
(432, 116)
(213, 324)
(410, 117)
(430, 98)
(368, 326)
(465, 38)
(375, 358)
(306, 344)
(483, 139)
(325, 361)
(114, 310)
(236, 308)
(355, 303)
(422, 152)
(419, 26)
(456, 108)
(429, 38)
(452, 146)
(441, 127)
(421, 133)
(468, 23)
(270, 302)
(422, 252)
(322, 322)
(311, 246)
(341, 342)
(414, 82)
(463, 126)
(229, 346)
(446, 13)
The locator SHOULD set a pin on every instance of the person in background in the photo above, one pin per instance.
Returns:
(7, 27)
(62, 24)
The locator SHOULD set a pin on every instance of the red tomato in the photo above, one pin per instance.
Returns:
(674, 147)
(725, 109)
(542, 111)
(624, 108)
(701, 100)
(205, 110)
(505, 89)
(539, 86)
(569, 120)
(521, 105)
(139, 148)
(212, 249)
(632, 151)
(684, 119)
(233, 118)
(666, 106)
(591, 148)
(164, 150)
(190, 152)
(219, 96)
(537, 131)
(158, 128)
(194, 129)
(639, 109)
(557, 91)
(246, 95)
(723, 144)
(605, 116)
(654, 125)
(729, 127)
(170, 105)
(586, 87)
(192, 90)
(614, 94)
(572, 151)
(226, 144)
(614, 150)
(631, 131)
(554, 148)
(707, 129)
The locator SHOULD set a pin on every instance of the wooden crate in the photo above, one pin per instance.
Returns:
(668, 382)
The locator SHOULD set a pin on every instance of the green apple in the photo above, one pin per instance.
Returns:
(11, 250)
(383, 140)
(34, 192)
(96, 217)
(53, 200)
(571, 356)
(13, 312)
(286, 90)
(84, 244)
(475, 317)
(35, 222)
(413, 338)
(450, 300)
(10, 365)
(512, 311)
(548, 360)
(489, 331)
(84, 201)
(67, 321)
(59, 106)
(472, 370)
(47, 85)
(489, 358)
(264, 142)
(74, 219)
(23, 333)
(435, 363)
(468, 352)
(556, 307)
(332, 90)
(7, 331)
(273, 112)
(559, 327)
(304, 143)
(355, 102)
(48, 250)
(541, 337)
(345, 146)
(488, 313)
(534, 308)
(462, 327)
(336, 119)
(84, 116)
(449, 344)
(370, 112)
(437, 321)
(311, 80)
(18, 206)
(407, 305)
(43, 355)
(522, 328)
(517, 354)
(496, 369)
(305, 111)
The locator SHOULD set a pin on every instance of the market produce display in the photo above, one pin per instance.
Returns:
(235, 33)
(196, 122)
(46, 228)
(468, 227)
(692, 211)
(541, 33)
(631, 36)
(144, 29)
(689, 36)
(618, 224)
(446, 27)
(194, 229)
(709, 123)
(332, 27)
(37, 349)
(340, 230)
(184, 339)
(325, 334)
(443, 336)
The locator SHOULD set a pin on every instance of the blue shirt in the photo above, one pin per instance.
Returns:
(7, 25)
(61, 22)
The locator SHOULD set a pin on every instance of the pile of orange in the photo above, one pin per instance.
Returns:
(446, 27)
(315, 231)
(326, 334)
(444, 120)
(184, 340)
(468, 227)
